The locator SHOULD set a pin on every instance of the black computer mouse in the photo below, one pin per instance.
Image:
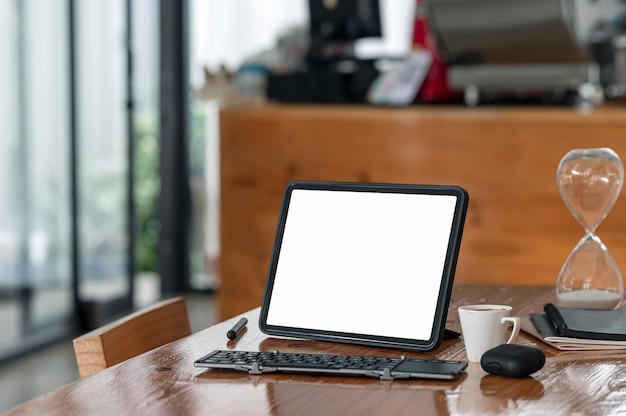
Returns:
(513, 360)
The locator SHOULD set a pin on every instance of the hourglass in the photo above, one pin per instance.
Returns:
(589, 181)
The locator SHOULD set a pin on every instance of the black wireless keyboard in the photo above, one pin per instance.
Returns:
(381, 367)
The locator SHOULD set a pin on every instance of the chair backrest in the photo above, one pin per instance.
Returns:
(129, 336)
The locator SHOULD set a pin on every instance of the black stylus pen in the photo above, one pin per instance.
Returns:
(237, 328)
(556, 318)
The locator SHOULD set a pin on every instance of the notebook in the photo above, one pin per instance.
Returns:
(364, 263)
(538, 326)
(583, 326)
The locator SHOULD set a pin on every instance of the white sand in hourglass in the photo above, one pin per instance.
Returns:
(589, 299)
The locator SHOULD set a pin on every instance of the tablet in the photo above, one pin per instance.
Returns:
(364, 263)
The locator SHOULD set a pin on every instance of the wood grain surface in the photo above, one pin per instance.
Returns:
(165, 381)
(129, 336)
(518, 229)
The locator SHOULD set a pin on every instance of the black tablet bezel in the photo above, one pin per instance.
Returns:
(449, 268)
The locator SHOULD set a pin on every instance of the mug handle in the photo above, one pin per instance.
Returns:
(515, 330)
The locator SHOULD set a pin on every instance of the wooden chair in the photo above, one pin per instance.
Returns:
(127, 337)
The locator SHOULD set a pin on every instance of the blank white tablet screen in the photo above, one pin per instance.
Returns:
(362, 262)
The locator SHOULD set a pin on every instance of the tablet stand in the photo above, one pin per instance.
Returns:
(450, 334)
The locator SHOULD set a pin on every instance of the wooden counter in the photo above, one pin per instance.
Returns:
(518, 230)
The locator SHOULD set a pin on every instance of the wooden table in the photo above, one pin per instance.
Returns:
(165, 381)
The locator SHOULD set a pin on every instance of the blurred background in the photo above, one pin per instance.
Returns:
(109, 151)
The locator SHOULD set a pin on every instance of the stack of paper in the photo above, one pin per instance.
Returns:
(578, 329)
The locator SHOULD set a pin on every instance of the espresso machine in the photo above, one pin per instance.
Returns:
(552, 49)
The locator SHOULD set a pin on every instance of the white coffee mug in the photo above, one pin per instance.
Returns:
(484, 327)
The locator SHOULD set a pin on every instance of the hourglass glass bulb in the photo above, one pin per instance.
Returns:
(589, 181)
